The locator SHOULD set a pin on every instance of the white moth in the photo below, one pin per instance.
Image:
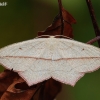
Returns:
(40, 59)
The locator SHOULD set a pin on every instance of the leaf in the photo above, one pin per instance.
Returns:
(55, 27)
(6, 78)
(13, 87)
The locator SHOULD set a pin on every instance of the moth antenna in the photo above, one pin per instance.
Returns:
(42, 36)
(64, 36)
(53, 36)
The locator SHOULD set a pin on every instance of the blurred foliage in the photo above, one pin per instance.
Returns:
(21, 19)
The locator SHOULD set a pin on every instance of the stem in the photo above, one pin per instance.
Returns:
(95, 25)
(94, 40)
(61, 16)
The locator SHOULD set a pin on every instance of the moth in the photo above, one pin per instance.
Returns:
(40, 59)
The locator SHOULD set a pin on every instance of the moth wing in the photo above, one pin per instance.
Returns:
(20, 56)
(38, 72)
(76, 60)
(71, 70)
(74, 49)
(23, 58)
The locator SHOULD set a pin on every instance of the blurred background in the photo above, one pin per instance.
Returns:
(21, 20)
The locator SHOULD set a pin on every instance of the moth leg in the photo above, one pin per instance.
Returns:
(93, 40)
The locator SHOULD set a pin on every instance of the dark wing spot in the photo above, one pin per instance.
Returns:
(83, 49)
(20, 48)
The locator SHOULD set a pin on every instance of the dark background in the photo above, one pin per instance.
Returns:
(21, 19)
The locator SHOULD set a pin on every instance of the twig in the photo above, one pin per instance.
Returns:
(95, 25)
(94, 40)
(61, 16)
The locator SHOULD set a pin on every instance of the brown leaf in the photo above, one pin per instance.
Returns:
(25, 95)
(13, 87)
(55, 27)
(17, 94)
(68, 17)
(6, 78)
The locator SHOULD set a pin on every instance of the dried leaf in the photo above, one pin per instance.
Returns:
(6, 78)
(55, 27)
(13, 87)
(26, 95)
